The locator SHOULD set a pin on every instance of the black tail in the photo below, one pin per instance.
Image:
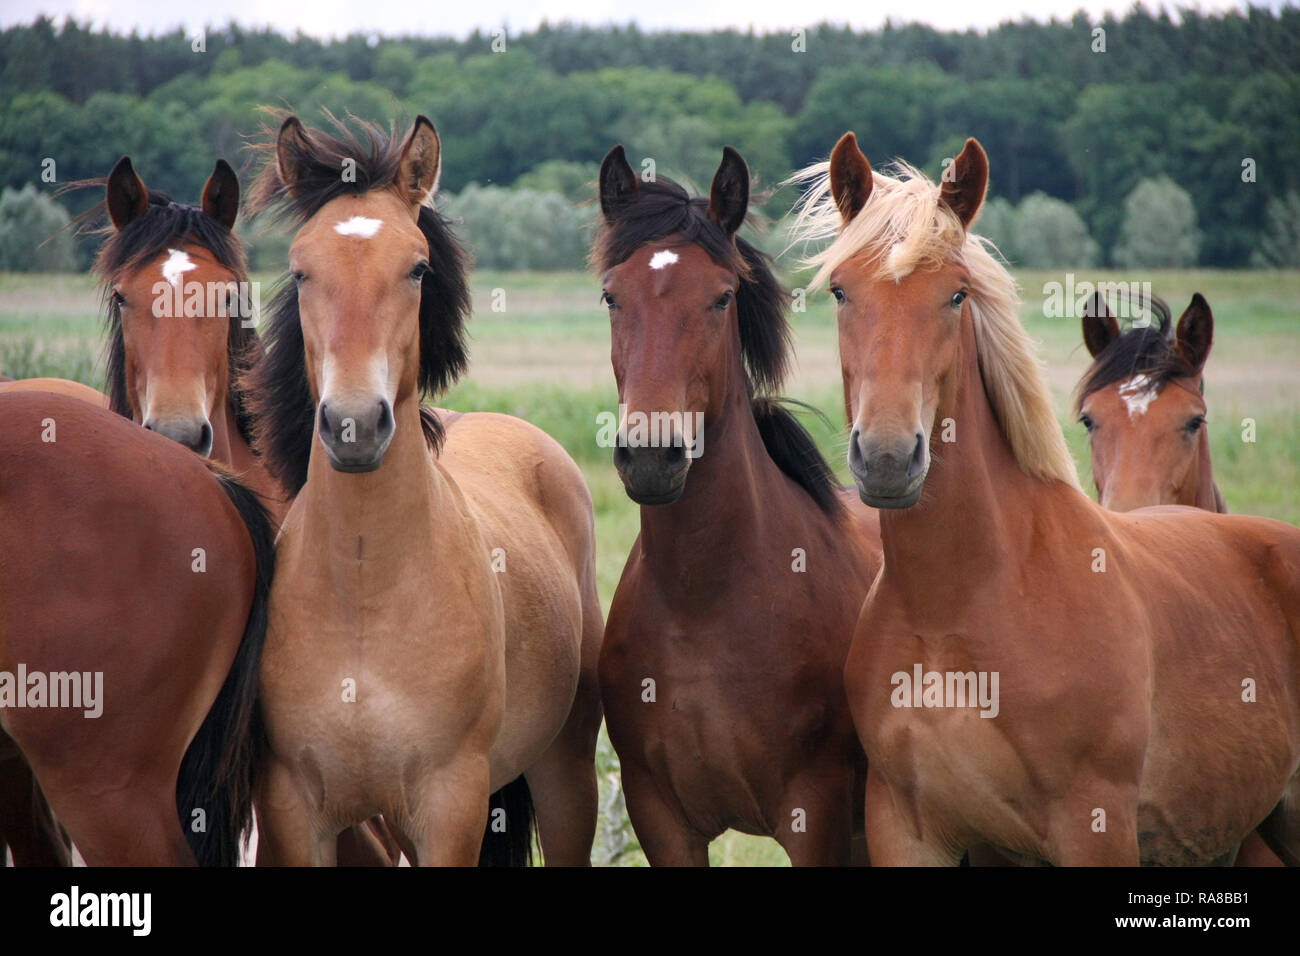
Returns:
(217, 771)
(795, 453)
(508, 839)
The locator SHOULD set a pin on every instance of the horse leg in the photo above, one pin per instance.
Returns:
(288, 830)
(1281, 828)
(666, 836)
(892, 835)
(450, 813)
(815, 822)
(1081, 835)
(563, 782)
(368, 844)
(26, 825)
(138, 826)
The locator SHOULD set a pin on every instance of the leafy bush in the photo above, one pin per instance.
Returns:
(1279, 248)
(521, 228)
(1159, 229)
(32, 233)
(997, 221)
(1048, 234)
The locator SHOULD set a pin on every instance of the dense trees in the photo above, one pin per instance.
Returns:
(1209, 101)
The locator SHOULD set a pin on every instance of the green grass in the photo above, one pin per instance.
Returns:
(545, 358)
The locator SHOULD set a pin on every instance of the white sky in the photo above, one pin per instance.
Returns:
(324, 18)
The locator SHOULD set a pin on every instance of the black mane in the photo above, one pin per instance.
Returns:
(165, 224)
(663, 208)
(1148, 350)
(279, 390)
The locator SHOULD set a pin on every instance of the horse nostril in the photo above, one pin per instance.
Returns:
(622, 457)
(385, 423)
(205, 439)
(323, 421)
(917, 463)
(675, 453)
(856, 463)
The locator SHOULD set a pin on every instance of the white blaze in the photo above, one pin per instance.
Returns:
(1138, 393)
(178, 263)
(662, 258)
(358, 227)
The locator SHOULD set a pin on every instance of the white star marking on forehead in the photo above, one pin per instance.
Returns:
(1138, 393)
(178, 263)
(359, 227)
(662, 258)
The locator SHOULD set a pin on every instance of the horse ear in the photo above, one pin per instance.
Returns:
(1195, 333)
(850, 177)
(1099, 326)
(221, 195)
(618, 183)
(965, 181)
(292, 147)
(421, 163)
(729, 195)
(126, 195)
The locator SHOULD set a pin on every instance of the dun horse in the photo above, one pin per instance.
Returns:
(1032, 671)
(435, 624)
(721, 672)
(132, 614)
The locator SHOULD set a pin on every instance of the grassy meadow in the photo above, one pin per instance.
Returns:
(545, 358)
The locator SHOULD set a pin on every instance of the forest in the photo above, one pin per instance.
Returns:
(1198, 109)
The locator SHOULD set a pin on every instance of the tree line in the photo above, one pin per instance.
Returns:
(1079, 111)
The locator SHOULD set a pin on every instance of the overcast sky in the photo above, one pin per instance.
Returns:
(324, 18)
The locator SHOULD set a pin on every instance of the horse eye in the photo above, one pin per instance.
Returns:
(298, 277)
(724, 300)
(957, 299)
(607, 300)
(1086, 421)
(118, 298)
(838, 293)
(1196, 424)
(419, 271)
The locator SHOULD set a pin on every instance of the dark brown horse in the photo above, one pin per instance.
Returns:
(1032, 671)
(135, 581)
(721, 670)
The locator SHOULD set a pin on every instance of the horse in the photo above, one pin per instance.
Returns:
(435, 625)
(1151, 660)
(60, 386)
(178, 316)
(96, 514)
(1143, 404)
(721, 667)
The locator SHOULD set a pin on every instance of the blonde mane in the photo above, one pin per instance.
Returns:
(904, 227)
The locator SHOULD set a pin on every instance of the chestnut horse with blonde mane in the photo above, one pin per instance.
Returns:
(1140, 673)
(434, 625)
(721, 671)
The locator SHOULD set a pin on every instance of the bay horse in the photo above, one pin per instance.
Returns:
(435, 625)
(178, 316)
(722, 661)
(132, 563)
(1143, 404)
(1150, 661)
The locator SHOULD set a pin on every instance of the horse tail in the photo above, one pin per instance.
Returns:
(217, 770)
(513, 845)
(795, 453)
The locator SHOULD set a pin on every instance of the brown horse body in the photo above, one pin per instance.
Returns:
(1148, 664)
(435, 624)
(105, 511)
(722, 661)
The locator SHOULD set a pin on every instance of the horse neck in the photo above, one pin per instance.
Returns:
(383, 517)
(720, 506)
(977, 508)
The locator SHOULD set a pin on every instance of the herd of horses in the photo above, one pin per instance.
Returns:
(373, 625)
